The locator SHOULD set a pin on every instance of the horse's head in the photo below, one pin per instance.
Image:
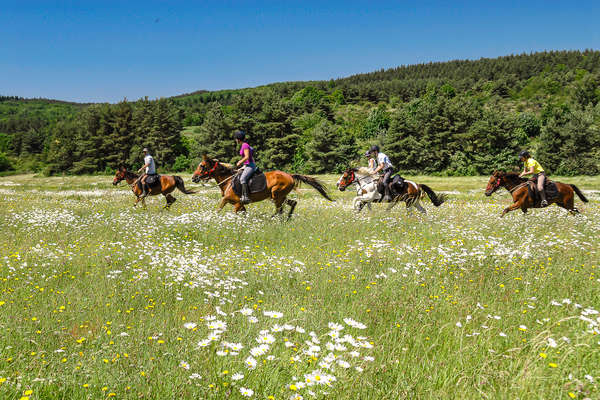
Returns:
(496, 180)
(120, 175)
(346, 179)
(205, 169)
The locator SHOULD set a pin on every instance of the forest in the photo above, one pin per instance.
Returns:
(445, 118)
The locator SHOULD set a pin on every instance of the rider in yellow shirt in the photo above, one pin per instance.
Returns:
(532, 167)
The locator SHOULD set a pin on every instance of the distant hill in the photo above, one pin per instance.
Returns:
(455, 117)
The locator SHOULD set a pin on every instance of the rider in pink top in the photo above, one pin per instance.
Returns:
(247, 153)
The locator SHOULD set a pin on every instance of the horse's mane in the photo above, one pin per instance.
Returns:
(363, 171)
(228, 167)
(513, 176)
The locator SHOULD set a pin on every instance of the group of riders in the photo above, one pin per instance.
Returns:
(379, 163)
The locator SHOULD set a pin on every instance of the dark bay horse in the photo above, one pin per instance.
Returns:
(370, 189)
(279, 185)
(168, 183)
(517, 186)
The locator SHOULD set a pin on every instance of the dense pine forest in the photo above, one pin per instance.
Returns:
(452, 118)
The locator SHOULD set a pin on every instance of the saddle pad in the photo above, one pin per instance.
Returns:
(549, 187)
(153, 180)
(258, 183)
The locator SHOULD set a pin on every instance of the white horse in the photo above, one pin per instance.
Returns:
(366, 186)
(367, 190)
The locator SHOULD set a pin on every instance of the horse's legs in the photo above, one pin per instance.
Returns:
(419, 206)
(170, 200)
(512, 207)
(237, 207)
(278, 205)
(292, 204)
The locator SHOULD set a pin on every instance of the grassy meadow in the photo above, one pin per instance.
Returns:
(100, 300)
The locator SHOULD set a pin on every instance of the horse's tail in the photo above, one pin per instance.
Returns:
(312, 182)
(181, 186)
(437, 200)
(581, 196)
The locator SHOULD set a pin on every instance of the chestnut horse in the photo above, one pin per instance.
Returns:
(517, 186)
(279, 185)
(168, 183)
(370, 189)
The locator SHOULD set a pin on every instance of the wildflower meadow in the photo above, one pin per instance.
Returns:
(102, 300)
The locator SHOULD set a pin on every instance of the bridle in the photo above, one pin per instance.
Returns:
(495, 187)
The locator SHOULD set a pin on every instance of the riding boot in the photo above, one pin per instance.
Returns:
(544, 202)
(245, 199)
(387, 197)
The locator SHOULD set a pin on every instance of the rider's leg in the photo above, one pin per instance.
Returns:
(246, 174)
(144, 186)
(540, 186)
(386, 184)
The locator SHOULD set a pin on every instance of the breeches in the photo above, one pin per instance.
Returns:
(247, 174)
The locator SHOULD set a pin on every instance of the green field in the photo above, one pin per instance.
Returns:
(101, 300)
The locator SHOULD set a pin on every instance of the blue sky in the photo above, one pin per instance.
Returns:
(107, 50)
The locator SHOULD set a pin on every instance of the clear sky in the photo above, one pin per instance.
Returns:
(107, 50)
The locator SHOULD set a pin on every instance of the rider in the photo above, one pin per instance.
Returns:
(247, 153)
(383, 164)
(149, 168)
(532, 167)
(372, 162)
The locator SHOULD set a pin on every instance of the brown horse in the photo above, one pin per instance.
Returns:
(517, 186)
(168, 183)
(279, 185)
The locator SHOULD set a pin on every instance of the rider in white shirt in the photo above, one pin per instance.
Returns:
(383, 164)
(149, 168)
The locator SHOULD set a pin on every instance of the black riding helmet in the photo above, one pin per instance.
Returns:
(524, 153)
(240, 135)
(373, 149)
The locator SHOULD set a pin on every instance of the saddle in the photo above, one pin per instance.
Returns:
(549, 188)
(257, 183)
(151, 182)
(397, 183)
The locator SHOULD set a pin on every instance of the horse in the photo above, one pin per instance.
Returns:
(279, 185)
(370, 189)
(168, 183)
(517, 187)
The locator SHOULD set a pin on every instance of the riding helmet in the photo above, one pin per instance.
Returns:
(240, 135)
(146, 150)
(374, 148)
(525, 154)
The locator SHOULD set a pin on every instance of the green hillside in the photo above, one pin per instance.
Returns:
(459, 118)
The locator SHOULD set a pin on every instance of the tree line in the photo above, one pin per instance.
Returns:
(453, 118)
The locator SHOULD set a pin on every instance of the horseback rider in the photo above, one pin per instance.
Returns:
(383, 164)
(247, 153)
(532, 167)
(372, 163)
(149, 169)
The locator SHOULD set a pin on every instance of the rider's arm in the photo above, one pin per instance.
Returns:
(245, 158)
(526, 171)
(379, 168)
(143, 167)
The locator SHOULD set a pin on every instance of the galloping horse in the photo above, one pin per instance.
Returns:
(168, 183)
(517, 186)
(279, 185)
(370, 189)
